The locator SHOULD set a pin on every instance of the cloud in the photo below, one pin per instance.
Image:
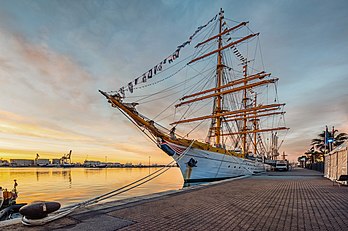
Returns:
(55, 56)
(43, 83)
(55, 72)
(33, 130)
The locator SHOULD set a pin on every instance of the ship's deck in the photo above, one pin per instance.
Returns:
(297, 200)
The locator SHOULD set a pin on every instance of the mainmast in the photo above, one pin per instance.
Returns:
(255, 123)
(217, 110)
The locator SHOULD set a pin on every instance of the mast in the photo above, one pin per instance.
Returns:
(219, 67)
(255, 123)
(244, 136)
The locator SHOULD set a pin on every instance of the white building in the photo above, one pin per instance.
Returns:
(115, 165)
(4, 163)
(21, 162)
(55, 161)
(43, 162)
(91, 163)
(336, 162)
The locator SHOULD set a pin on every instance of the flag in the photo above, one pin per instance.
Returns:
(326, 137)
(179, 150)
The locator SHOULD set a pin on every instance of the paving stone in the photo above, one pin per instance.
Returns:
(98, 222)
(276, 201)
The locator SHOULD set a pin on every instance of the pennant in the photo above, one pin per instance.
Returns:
(176, 54)
(122, 92)
(136, 81)
(181, 46)
(157, 68)
(149, 74)
(130, 87)
(144, 78)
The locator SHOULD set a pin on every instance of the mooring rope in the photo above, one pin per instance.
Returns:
(69, 209)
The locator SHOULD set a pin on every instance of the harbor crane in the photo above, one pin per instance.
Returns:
(65, 158)
(37, 158)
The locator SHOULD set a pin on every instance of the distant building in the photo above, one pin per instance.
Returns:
(91, 163)
(128, 165)
(43, 162)
(4, 163)
(116, 165)
(55, 161)
(21, 162)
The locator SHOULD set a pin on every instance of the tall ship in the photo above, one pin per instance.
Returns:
(209, 105)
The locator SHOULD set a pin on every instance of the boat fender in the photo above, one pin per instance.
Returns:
(192, 163)
(38, 210)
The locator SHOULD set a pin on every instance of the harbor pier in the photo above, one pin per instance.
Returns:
(300, 199)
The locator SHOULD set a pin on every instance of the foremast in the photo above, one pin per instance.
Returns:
(219, 67)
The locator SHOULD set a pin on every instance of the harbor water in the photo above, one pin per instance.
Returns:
(71, 185)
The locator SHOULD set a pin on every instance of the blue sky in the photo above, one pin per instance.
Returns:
(55, 55)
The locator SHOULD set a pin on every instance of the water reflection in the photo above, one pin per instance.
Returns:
(38, 173)
(72, 185)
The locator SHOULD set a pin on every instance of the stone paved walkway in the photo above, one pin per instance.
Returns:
(296, 200)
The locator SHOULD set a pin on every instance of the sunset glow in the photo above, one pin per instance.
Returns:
(54, 58)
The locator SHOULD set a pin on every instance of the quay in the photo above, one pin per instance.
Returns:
(300, 199)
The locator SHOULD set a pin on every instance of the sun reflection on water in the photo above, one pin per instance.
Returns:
(71, 185)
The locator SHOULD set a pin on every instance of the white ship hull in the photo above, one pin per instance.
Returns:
(197, 165)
